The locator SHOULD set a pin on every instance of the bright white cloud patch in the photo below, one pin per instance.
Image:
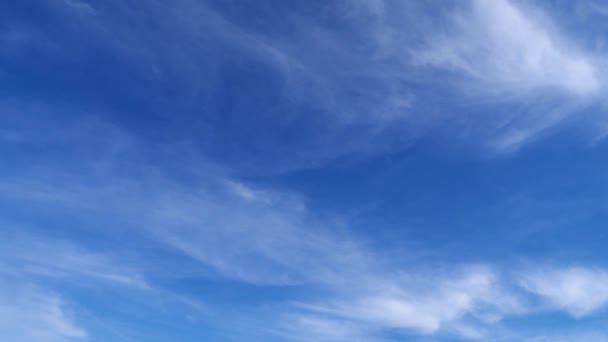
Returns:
(423, 304)
(31, 314)
(513, 51)
(507, 52)
(578, 291)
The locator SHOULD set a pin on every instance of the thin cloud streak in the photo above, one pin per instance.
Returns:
(503, 53)
(32, 314)
(180, 171)
(262, 236)
(576, 290)
(508, 49)
(40, 257)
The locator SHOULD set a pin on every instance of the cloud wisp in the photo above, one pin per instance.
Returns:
(365, 78)
(504, 52)
(32, 314)
(41, 257)
(576, 290)
(176, 174)
(507, 49)
(260, 236)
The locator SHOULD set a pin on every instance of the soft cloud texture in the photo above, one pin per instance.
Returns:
(509, 49)
(56, 259)
(430, 305)
(187, 150)
(267, 237)
(361, 86)
(579, 291)
(509, 52)
(31, 314)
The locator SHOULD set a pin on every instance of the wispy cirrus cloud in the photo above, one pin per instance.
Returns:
(509, 49)
(261, 236)
(29, 313)
(190, 98)
(365, 78)
(428, 306)
(471, 303)
(576, 290)
(506, 52)
(36, 272)
(50, 258)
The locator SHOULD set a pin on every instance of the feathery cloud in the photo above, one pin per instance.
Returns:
(33, 314)
(508, 49)
(576, 290)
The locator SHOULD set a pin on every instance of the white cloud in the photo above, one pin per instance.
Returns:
(370, 96)
(507, 54)
(423, 304)
(35, 256)
(576, 290)
(257, 236)
(511, 50)
(263, 236)
(31, 314)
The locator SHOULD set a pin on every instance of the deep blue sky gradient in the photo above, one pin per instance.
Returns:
(303, 171)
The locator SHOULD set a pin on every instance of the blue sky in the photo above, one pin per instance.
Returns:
(373, 170)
